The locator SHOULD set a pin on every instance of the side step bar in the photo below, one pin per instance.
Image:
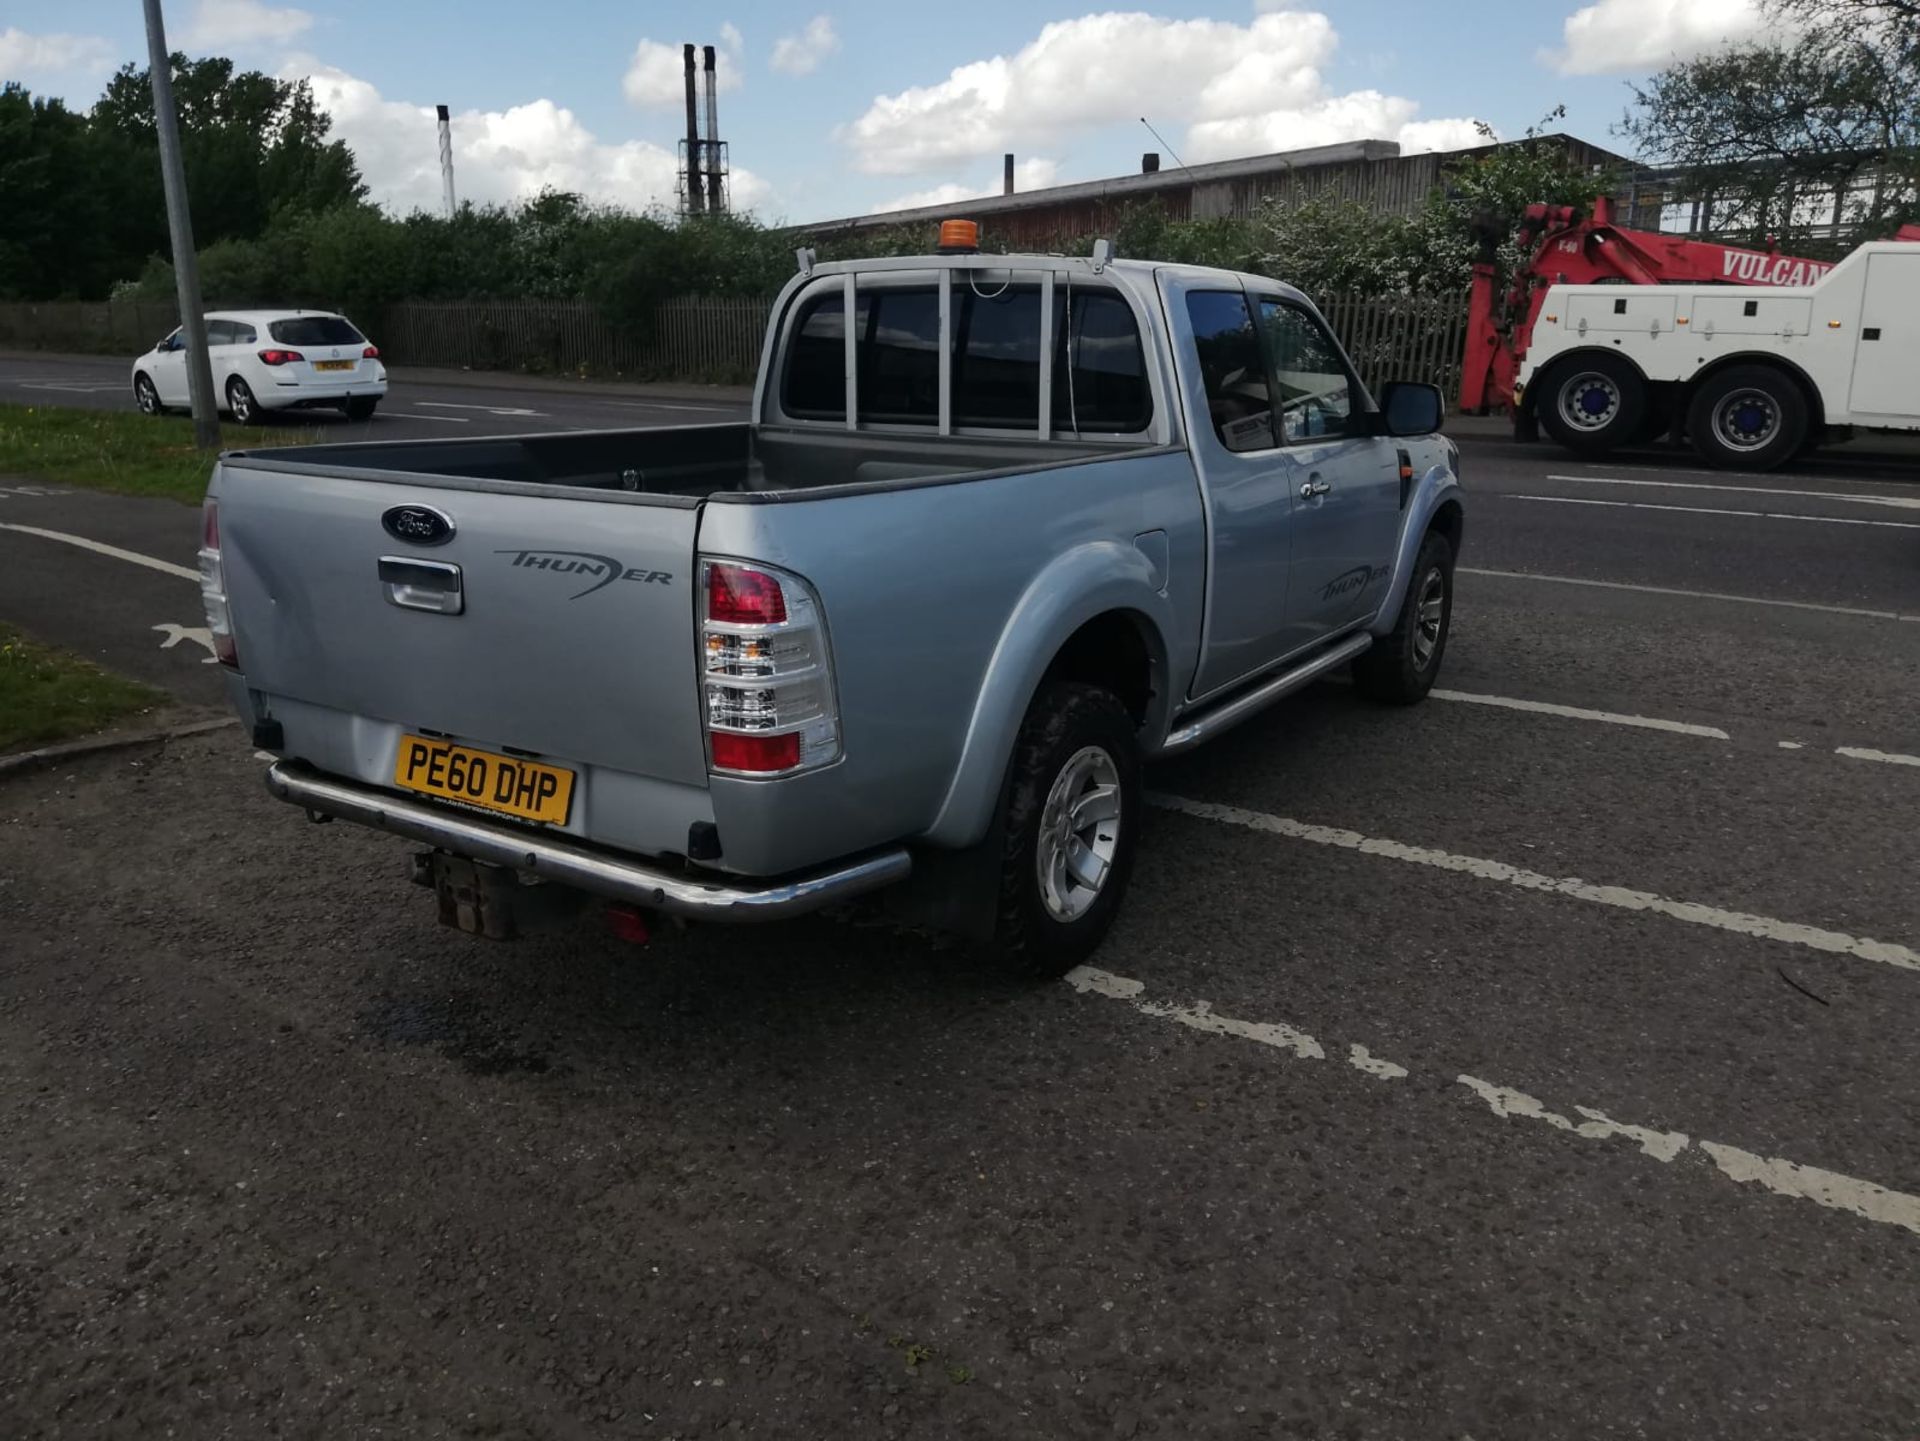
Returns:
(563, 859)
(1229, 713)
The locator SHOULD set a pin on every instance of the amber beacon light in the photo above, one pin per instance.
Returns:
(959, 237)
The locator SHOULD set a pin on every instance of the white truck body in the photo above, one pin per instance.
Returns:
(1611, 364)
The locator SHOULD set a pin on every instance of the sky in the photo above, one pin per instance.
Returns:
(843, 107)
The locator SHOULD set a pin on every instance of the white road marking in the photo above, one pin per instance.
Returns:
(165, 567)
(1569, 712)
(489, 409)
(199, 635)
(1892, 758)
(1363, 1060)
(1708, 510)
(1687, 594)
(661, 405)
(1596, 1125)
(1823, 1188)
(443, 419)
(1897, 502)
(82, 387)
(1791, 746)
(1200, 1017)
(35, 491)
(1694, 913)
(1830, 1189)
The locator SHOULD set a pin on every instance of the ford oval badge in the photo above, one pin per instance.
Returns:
(418, 524)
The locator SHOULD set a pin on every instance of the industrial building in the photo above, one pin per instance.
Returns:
(1373, 172)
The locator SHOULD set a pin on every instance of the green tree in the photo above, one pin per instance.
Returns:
(1814, 128)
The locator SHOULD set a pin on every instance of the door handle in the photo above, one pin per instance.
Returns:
(1313, 485)
(430, 585)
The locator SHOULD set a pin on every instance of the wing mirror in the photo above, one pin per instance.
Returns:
(1409, 408)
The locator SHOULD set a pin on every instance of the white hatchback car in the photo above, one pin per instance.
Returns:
(268, 360)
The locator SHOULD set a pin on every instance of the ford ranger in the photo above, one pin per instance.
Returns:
(998, 530)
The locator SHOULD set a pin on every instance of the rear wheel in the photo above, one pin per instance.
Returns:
(1593, 403)
(146, 396)
(362, 408)
(1072, 823)
(240, 402)
(1750, 417)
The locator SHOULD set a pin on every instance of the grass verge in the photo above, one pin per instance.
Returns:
(47, 695)
(121, 451)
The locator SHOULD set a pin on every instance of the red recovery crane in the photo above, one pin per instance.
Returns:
(1568, 248)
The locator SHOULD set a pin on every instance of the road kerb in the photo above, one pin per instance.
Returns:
(21, 762)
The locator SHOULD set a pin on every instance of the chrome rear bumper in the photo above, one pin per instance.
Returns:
(566, 861)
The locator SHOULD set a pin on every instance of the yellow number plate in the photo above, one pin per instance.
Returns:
(508, 784)
(333, 365)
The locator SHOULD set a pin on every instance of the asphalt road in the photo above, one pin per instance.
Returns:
(419, 404)
(1536, 1062)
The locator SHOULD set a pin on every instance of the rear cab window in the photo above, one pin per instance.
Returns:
(314, 330)
(1100, 383)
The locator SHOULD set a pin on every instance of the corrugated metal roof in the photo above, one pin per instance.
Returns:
(1121, 187)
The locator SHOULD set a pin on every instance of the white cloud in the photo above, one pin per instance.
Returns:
(1616, 35)
(1420, 136)
(731, 37)
(217, 24)
(498, 155)
(801, 54)
(1243, 89)
(22, 54)
(657, 73)
(1035, 174)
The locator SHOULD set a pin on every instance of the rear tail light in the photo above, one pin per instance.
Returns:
(372, 352)
(213, 587)
(280, 357)
(765, 671)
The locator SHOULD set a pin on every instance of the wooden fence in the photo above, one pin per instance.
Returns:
(1394, 337)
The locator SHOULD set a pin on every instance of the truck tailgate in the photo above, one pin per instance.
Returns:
(571, 639)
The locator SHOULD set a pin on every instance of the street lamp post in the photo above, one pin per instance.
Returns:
(186, 266)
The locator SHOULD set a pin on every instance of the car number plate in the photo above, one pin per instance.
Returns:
(333, 365)
(511, 785)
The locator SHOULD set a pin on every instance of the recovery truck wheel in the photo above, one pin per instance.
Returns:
(1748, 417)
(1592, 403)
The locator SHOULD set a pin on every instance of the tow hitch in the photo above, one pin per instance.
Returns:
(491, 901)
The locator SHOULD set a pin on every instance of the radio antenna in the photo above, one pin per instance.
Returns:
(1163, 144)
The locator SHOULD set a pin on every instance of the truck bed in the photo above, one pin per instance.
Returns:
(693, 461)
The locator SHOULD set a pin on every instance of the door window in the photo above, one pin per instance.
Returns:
(1310, 379)
(1233, 368)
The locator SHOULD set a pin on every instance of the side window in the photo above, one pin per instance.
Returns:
(217, 332)
(1309, 377)
(1234, 369)
(243, 335)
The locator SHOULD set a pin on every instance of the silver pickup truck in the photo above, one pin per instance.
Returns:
(998, 530)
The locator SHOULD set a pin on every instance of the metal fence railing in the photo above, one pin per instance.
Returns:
(1402, 337)
(1392, 337)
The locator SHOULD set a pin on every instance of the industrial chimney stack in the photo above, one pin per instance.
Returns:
(716, 165)
(696, 200)
(446, 158)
